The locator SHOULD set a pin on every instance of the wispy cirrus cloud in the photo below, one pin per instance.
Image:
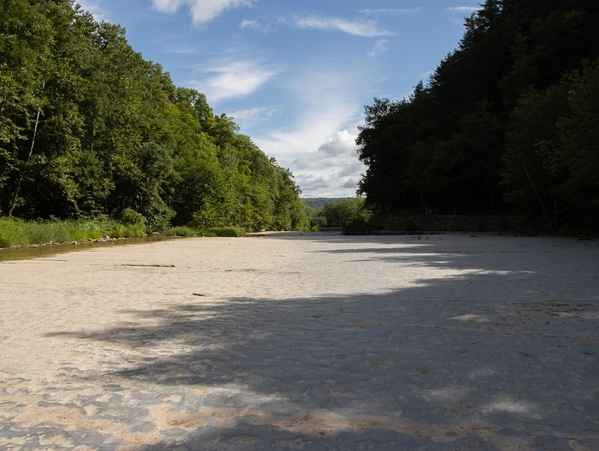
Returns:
(465, 10)
(232, 79)
(180, 50)
(390, 11)
(250, 24)
(319, 147)
(253, 116)
(202, 11)
(357, 27)
(261, 23)
(380, 46)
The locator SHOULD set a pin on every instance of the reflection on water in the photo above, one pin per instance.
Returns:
(47, 250)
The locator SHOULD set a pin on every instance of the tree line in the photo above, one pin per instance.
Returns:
(88, 128)
(507, 123)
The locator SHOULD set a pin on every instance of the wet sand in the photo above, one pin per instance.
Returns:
(311, 342)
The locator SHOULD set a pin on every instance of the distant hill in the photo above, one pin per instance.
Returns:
(320, 202)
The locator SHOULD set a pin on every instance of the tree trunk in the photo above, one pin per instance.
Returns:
(20, 179)
(538, 197)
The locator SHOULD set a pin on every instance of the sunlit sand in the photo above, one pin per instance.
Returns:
(303, 341)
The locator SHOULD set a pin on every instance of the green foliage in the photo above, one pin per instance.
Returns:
(131, 217)
(116, 230)
(16, 232)
(210, 232)
(351, 216)
(551, 158)
(579, 153)
(182, 231)
(528, 183)
(506, 123)
(318, 203)
(225, 232)
(88, 128)
(323, 211)
(317, 219)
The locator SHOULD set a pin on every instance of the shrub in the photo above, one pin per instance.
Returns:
(351, 215)
(15, 232)
(358, 226)
(225, 232)
(182, 231)
(131, 217)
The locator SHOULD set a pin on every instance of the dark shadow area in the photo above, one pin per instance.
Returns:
(400, 370)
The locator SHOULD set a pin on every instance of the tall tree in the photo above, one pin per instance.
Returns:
(494, 125)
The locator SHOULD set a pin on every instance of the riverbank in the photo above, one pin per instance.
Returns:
(314, 341)
(22, 252)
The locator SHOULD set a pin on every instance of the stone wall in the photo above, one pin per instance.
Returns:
(445, 223)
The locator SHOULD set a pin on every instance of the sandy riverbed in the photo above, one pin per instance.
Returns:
(312, 342)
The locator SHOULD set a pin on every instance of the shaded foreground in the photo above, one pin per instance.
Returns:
(304, 342)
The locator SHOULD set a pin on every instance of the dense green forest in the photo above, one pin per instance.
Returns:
(337, 212)
(90, 129)
(320, 202)
(507, 123)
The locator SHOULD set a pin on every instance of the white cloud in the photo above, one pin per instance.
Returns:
(338, 151)
(250, 24)
(352, 184)
(321, 174)
(326, 185)
(333, 170)
(202, 11)
(319, 147)
(391, 11)
(325, 102)
(380, 46)
(354, 170)
(263, 24)
(334, 166)
(318, 185)
(248, 118)
(234, 79)
(92, 7)
(342, 144)
(466, 10)
(181, 50)
(358, 27)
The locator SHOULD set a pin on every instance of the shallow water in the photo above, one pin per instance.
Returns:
(23, 253)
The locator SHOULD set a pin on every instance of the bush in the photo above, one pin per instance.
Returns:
(357, 226)
(182, 231)
(225, 232)
(16, 232)
(351, 215)
(131, 217)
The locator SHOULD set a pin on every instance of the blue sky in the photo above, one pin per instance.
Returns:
(295, 74)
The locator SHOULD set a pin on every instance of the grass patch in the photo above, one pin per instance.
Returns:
(225, 232)
(16, 232)
(182, 231)
(212, 232)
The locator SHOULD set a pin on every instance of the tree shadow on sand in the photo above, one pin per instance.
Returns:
(401, 370)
